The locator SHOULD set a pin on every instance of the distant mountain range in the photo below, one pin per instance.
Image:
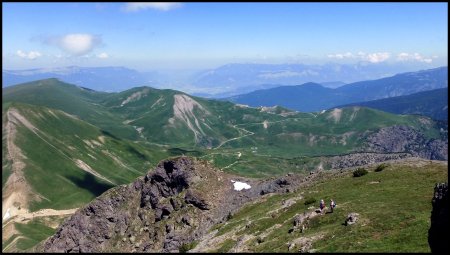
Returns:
(311, 97)
(224, 81)
(111, 79)
(432, 103)
(235, 77)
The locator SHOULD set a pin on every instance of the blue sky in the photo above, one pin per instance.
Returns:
(205, 35)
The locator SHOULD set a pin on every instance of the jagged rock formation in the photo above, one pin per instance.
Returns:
(171, 206)
(439, 230)
(406, 139)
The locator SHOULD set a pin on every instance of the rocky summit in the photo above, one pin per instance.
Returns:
(173, 205)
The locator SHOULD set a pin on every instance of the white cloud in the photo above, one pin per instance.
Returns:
(403, 56)
(79, 44)
(103, 55)
(30, 55)
(372, 57)
(411, 57)
(163, 6)
(75, 44)
(378, 57)
(341, 56)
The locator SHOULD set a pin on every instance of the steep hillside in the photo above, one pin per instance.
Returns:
(170, 117)
(182, 206)
(311, 97)
(58, 161)
(71, 99)
(433, 103)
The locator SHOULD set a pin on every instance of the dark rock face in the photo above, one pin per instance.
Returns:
(196, 200)
(173, 205)
(169, 179)
(439, 230)
(274, 186)
(127, 218)
(405, 139)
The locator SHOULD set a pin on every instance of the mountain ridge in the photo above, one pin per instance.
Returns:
(300, 98)
(431, 103)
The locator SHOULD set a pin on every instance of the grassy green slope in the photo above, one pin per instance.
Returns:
(148, 114)
(59, 141)
(153, 111)
(311, 134)
(392, 217)
(72, 99)
(31, 233)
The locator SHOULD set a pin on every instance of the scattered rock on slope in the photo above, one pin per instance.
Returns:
(406, 139)
(352, 218)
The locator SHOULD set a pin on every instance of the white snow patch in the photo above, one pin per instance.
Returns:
(240, 185)
(7, 215)
(322, 111)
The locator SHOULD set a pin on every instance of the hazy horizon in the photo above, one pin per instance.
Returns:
(198, 36)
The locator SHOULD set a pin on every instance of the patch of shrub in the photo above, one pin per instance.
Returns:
(380, 167)
(187, 246)
(310, 200)
(229, 216)
(359, 172)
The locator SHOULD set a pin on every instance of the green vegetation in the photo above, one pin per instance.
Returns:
(310, 200)
(31, 233)
(85, 142)
(52, 158)
(188, 246)
(392, 218)
(360, 172)
(147, 114)
(123, 135)
(381, 167)
(227, 245)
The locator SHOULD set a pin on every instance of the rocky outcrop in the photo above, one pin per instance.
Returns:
(274, 186)
(173, 205)
(196, 200)
(361, 159)
(439, 229)
(352, 218)
(396, 139)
